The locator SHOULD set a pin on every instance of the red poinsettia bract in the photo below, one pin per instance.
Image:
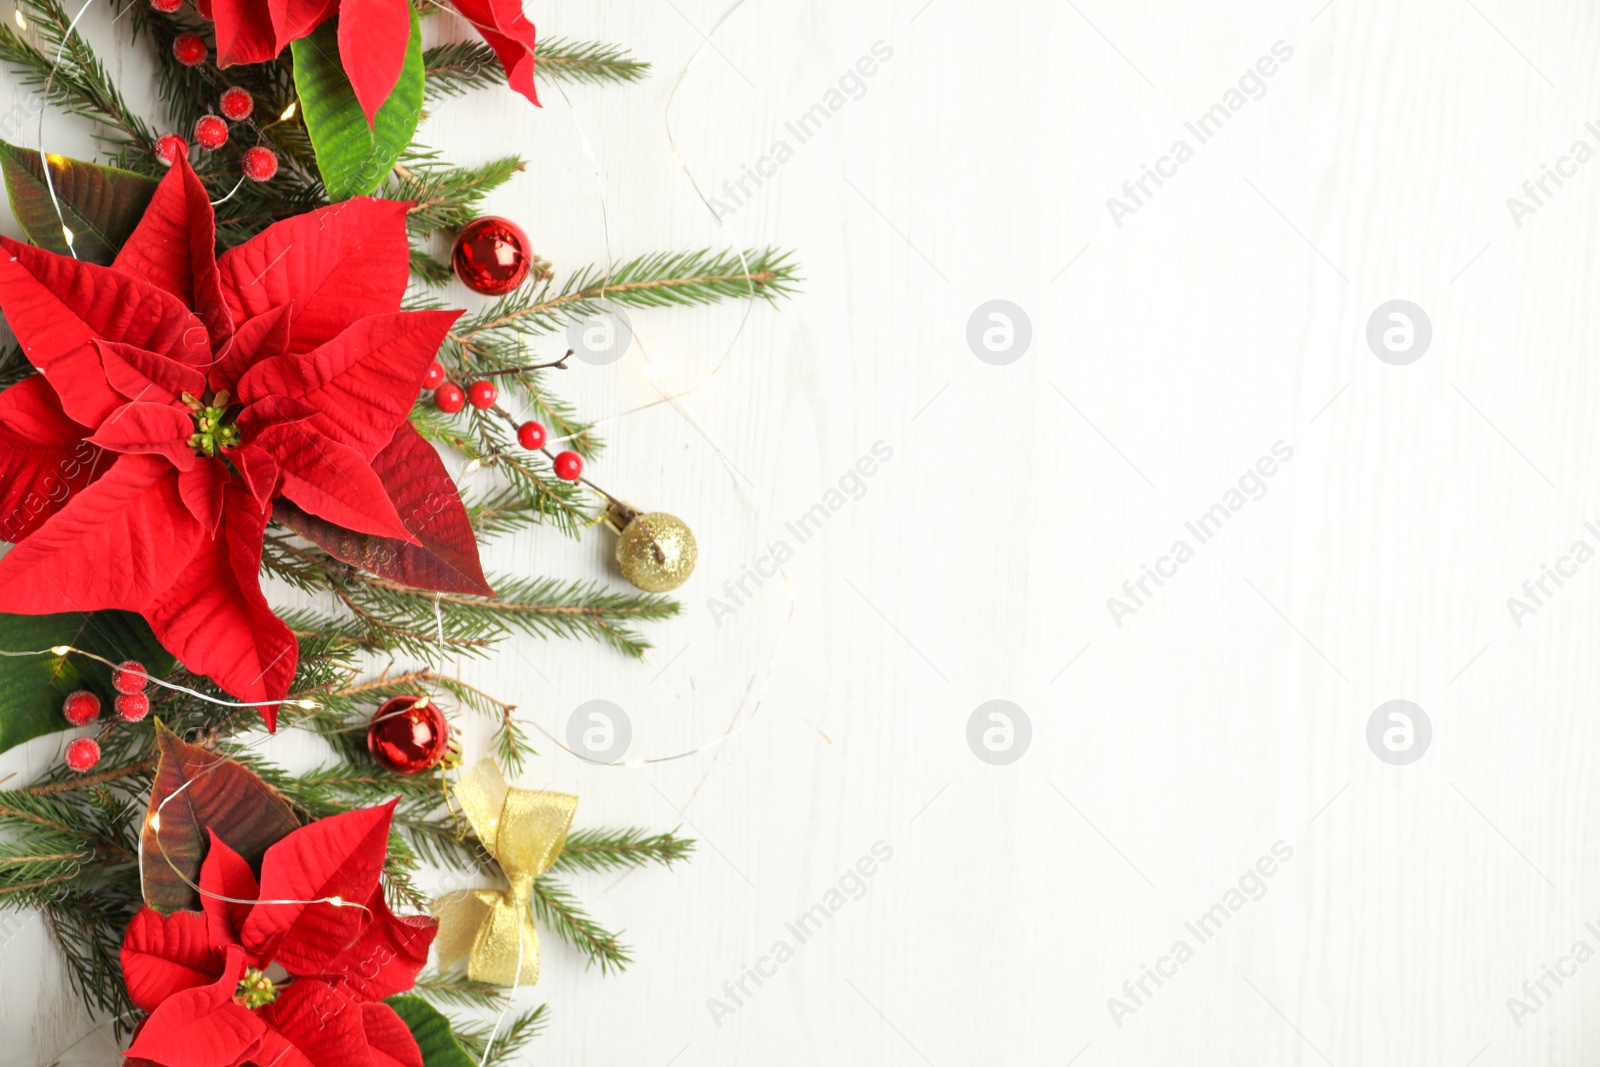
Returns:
(180, 393)
(372, 38)
(201, 976)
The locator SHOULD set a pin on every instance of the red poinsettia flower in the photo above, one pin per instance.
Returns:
(372, 38)
(180, 394)
(201, 975)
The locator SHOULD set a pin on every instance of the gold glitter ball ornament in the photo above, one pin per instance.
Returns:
(656, 551)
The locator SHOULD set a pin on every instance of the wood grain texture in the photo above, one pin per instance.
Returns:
(1229, 712)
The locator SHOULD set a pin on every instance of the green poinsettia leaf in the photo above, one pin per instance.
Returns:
(101, 205)
(432, 1032)
(217, 794)
(353, 157)
(33, 687)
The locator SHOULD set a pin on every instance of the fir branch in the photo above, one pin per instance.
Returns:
(662, 279)
(455, 69)
(614, 850)
(65, 68)
(592, 62)
(445, 197)
(511, 1038)
(558, 909)
(452, 989)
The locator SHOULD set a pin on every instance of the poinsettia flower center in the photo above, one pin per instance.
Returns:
(212, 430)
(255, 990)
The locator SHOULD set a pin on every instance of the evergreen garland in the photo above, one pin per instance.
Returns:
(71, 842)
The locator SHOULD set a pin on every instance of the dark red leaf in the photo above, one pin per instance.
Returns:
(226, 797)
(429, 505)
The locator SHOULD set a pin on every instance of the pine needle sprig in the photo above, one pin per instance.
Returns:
(452, 989)
(510, 1040)
(79, 82)
(591, 62)
(456, 69)
(615, 850)
(661, 279)
(446, 197)
(558, 909)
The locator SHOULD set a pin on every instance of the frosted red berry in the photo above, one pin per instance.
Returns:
(131, 707)
(203, 9)
(236, 104)
(435, 376)
(166, 7)
(82, 753)
(129, 677)
(81, 707)
(482, 395)
(210, 132)
(530, 435)
(449, 398)
(260, 164)
(189, 49)
(569, 465)
(170, 148)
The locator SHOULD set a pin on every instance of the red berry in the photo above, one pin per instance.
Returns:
(131, 707)
(81, 707)
(449, 398)
(189, 49)
(203, 9)
(166, 7)
(129, 677)
(530, 435)
(435, 376)
(482, 395)
(260, 164)
(210, 132)
(568, 466)
(170, 148)
(237, 104)
(82, 753)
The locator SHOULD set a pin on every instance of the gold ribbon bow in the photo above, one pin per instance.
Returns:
(524, 831)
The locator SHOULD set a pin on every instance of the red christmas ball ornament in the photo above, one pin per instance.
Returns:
(237, 104)
(129, 676)
(569, 465)
(435, 376)
(409, 735)
(530, 435)
(210, 132)
(170, 148)
(82, 753)
(131, 707)
(449, 398)
(189, 49)
(166, 7)
(482, 395)
(259, 164)
(81, 707)
(491, 255)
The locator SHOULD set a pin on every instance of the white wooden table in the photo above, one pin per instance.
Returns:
(1226, 717)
